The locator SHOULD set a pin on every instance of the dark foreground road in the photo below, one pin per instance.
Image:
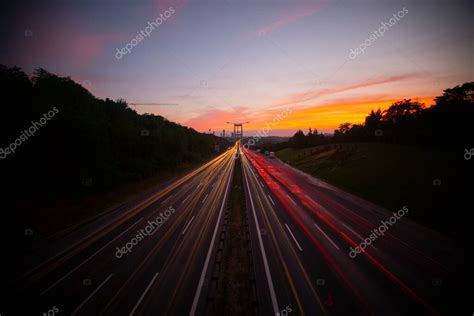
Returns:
(136, 261)
(155, 256)
(305, 230)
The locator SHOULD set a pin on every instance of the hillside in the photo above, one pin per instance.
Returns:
(60, 143)
(389, 175)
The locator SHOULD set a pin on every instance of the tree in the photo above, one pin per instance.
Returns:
(298, 140)
(402, 110)
(457, 96)
(103, 140)
(344, 128)
(374, 120)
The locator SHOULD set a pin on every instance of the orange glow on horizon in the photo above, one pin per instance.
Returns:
(329, 117)
(324, 118)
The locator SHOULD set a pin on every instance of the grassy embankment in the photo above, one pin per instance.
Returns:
(390, 175)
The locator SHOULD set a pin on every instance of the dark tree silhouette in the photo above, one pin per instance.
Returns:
(403, 110)
(447, 123)
(299, 139)
(98, 142)
(373, 121)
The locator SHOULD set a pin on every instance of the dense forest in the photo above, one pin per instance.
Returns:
(447, 123)
(58, 140)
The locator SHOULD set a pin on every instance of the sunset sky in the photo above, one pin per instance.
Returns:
(217, 61)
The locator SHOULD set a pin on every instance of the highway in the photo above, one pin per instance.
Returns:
(155, 255)
(306, 229)
(162, 270)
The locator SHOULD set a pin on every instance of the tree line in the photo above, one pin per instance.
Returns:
(89, 144)
(448, 122)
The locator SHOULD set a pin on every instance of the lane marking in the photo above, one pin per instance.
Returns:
(205, 198)
(254, 173)
(140, 202)
(355, 233)
(167, 199)
(262, 250)
(271, 200)
(92, 256)
(143, 294)
(291, 233)
(90, 295)
(209, 252)
(291, 199)
(187, 225)
(327, 237)
(186, 199)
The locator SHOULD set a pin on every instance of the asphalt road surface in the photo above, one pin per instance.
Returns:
(138, 262)
(305, 229)
(154, 256)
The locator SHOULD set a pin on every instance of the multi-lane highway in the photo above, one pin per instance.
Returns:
(305, 230)
(149, 258)
(154, 256)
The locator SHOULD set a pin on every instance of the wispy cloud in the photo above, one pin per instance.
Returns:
(325, 118)
(216, 119)
(310, 95)
(163, 5)
(328, 117)
(298, 13)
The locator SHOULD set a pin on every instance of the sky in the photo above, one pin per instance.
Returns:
(205, 63)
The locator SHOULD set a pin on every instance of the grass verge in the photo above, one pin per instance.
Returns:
(429, 181)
